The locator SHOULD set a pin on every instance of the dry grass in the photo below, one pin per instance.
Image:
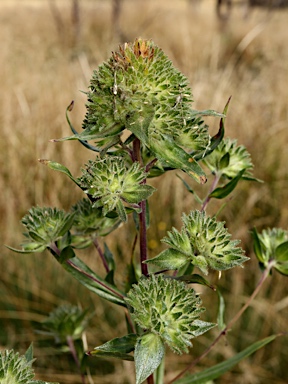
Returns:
(41, 72)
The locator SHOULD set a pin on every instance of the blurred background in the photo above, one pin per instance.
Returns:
(49, 49)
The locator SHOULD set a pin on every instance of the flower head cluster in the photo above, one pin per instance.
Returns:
(272, 246)
(138, 89)
(169, 309)
(111, 184)
(89, 220)
(204, 242)
(66, 321)
(44, 226)
(17, 369)
(229, 159)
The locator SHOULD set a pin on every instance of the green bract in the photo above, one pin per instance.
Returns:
(111, 184)
(169, 309)
(228, 160)
(89, 220)
(272, 246)
(17, 369)
(66, 321)
(202, 241)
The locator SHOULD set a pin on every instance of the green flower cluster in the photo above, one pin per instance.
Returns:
(66, 321)
(17, 369)
(139, 90)
(169, 309)
(229, 159)
(44, 226)
(272, 246)
(111, 184)
(89, 220)
(204, 242)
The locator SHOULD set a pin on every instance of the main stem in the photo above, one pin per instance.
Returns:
(142, 214)
(142, 226)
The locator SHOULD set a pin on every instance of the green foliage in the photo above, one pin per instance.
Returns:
(140, 120)
(271, 246)
(219, 369)
(228, 160)
(110, 183)
(17, 369)
(167, 308)
(89, 220)
(202, 241)
(66, 321)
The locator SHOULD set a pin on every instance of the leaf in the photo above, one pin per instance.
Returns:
(29, 353)
(109, 257)
(281, 252)
(169, 259)
(194, 279)
(219, 369)
(216, 140)
(186, 269)
(224, 161)
(149, 352)
(34, 248)
(221, 310)
(93, 282)
(170, 154)
(58, 167)
(221, 192)
(138, 121)
(117, 346)
(202, 327)
(66, 254)
(257, 246)
(207, 112)
(189, 189)
(66, 226)
(88, 146)
(116, 355)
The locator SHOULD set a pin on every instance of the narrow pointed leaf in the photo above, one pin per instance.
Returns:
(93, 282)
(125, 344)
(189, 189)
(218, 137)
(208, 112)
(221, 311)
(29, 353)
(33, 249)
(85, 143)
(222, 192)
(149, 352)
(257, 246)
(219, 369)
(109, 257)
(108, 355)
(58, 167)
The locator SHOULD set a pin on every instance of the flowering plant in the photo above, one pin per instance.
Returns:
(140, 124)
